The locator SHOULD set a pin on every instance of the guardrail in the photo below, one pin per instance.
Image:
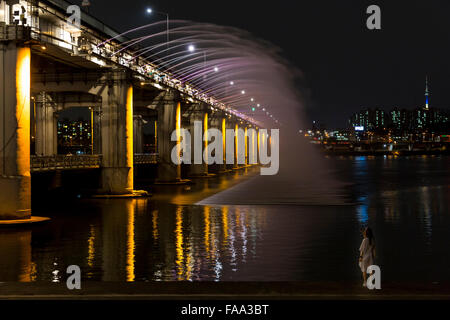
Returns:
(146, 158)
(71, 162)
(64, 162)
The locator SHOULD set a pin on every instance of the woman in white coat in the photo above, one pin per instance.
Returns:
(366, 253)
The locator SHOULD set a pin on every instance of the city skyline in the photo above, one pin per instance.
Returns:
(427, 105)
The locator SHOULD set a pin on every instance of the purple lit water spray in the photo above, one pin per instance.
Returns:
(227, 64)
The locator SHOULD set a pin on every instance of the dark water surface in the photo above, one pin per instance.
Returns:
(258, 228)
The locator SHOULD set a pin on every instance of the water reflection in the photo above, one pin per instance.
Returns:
(179, 246)
(15, 256)
(130, 240)
(165, 238)
(91, 247)
(427, 217)
(363, 210)
(138, 240)
(205, 240)
(155, 225)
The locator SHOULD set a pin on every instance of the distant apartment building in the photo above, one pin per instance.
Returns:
(74, 137)
(399, 120)
(370, 120)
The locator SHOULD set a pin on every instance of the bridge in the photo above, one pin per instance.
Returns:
(48, 65)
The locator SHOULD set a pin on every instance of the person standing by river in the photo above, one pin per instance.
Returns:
(366, 253)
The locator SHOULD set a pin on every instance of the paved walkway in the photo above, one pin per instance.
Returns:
(224, 291)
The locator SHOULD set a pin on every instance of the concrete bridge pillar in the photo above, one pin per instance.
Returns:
(15, 178)
(223, 127)
(117, 135)
(137, 133)
(46, 126)
(237, 137)
(199, 114)
(229, 124)
(263, 142)
(246, 143)
(252, 146)
(169, 120)
(216, 122)
(97, 131)
(259, 137)
(254, 153)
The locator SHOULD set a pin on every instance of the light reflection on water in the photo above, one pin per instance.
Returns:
(405, 200)
(129, 240)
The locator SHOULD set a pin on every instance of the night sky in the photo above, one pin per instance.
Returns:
(346, 66)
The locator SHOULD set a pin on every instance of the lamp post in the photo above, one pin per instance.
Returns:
(150, 11)
(204, 65)
(191, 48)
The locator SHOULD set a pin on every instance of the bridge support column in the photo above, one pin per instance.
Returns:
(46, 126)
(258, 142)
(169, 120)
(97, 132)
(252, 146)
(216, 122)
(229, 124)
(198, 115)
(15, 178)
(240, 146)
(236, 146)
(117, 135)
(223, 127)
(137, 133)
(246, 142)
(263, 143)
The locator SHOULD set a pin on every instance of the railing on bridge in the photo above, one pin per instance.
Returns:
(71, 162)
(146, 158)
(64, 162)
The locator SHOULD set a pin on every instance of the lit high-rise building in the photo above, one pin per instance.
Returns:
(74, 136)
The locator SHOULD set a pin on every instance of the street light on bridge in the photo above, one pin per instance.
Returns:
(191, 48)
(150, 11)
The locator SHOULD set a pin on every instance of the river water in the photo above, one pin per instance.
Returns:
(247, 227)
